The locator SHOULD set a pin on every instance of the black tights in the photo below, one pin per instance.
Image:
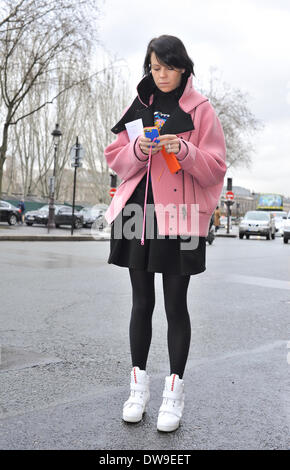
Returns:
(179, 328)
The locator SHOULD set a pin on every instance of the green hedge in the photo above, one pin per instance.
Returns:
(34, 205)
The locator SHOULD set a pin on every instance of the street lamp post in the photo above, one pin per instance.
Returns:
(77, 153)
(56, 134)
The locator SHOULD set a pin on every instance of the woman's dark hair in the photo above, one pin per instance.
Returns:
(171, 51)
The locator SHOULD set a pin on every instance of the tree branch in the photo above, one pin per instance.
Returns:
(56, 96)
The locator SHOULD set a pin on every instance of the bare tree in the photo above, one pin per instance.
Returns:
(239, 123)
(31, 140)
(88, 110)
(11, 10)
(36, 36)
(31, 146)
(106, 97)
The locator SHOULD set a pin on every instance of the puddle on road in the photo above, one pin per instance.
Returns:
(17, 358)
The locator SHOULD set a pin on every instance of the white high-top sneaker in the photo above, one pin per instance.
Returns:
(172, 406)
(134, 407)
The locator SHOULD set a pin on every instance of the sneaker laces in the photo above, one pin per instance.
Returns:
(136, 398)
(170, 403)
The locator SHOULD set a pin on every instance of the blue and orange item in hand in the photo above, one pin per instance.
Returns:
(151, 133)
(170, 158)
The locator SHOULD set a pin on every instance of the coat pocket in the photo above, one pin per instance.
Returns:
(199, 196)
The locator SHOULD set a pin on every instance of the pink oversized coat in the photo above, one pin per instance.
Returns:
(184, 201)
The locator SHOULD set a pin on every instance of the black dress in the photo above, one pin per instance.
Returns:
(163, 255)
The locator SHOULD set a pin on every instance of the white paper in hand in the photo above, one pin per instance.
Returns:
(134, 129)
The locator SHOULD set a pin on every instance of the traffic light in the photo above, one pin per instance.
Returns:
(113, 180)
(229, 184)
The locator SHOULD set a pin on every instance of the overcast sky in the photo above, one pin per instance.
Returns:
(248, 41)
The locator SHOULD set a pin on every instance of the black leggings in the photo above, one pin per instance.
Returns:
(179, 328)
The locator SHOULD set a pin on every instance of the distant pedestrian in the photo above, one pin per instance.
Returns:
(217, 218)
(21, 206)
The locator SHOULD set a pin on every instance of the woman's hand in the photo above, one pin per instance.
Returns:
(145, 143)
(170, 142)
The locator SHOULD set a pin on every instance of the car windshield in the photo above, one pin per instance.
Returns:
(60, 208)
(87, 210)
(257, 215)
(280, 215)
(44, 209)
(94, 211)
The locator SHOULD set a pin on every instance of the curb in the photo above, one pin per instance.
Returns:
(46, 238)
(226, 235)
(71, 238)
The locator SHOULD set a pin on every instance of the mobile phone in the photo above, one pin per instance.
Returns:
(151, 133)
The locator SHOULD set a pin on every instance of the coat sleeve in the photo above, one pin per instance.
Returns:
(206, 160)
(125, 157)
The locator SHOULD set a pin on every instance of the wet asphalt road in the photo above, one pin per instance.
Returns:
(66, 361)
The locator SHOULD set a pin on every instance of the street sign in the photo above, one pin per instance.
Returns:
(51, 184)
(229, 195)
(76, 165)
(77, 151)
(112, 191)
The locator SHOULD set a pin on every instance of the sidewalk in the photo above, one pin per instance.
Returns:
(40, 233)
(222, 232)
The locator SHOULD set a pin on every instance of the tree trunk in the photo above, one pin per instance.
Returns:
(3, 150)
(1, 175)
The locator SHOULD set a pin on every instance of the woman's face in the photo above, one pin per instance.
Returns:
(166, 78)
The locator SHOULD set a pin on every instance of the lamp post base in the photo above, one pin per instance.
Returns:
(50, 222)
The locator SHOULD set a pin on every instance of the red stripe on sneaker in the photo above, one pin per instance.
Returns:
(135, 375)
(172, 386)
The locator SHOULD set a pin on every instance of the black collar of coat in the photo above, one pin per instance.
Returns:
(177, 123)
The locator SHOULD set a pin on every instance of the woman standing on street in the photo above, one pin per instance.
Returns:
(188, 128)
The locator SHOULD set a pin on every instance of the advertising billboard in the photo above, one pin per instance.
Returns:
(270, 202)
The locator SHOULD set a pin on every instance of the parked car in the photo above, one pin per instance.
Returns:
(62, 216)
(279, 218)
(286, 229)
(92, 213)
(257, 223)
(9, 213)
(31, 216)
